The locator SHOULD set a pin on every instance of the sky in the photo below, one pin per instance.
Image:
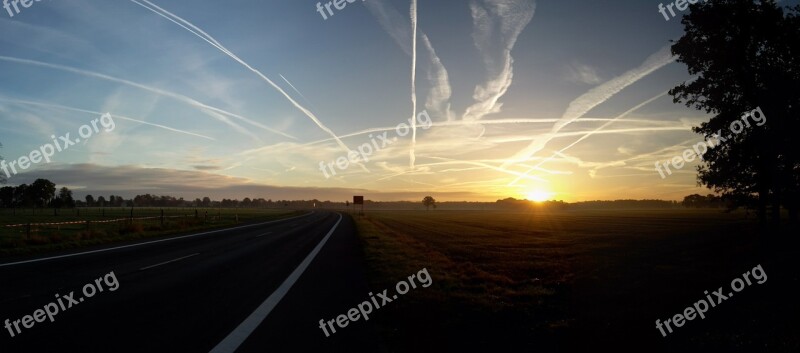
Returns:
(472, 100)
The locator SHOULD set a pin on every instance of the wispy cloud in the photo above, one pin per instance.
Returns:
(497, 24)
(438, 102)
(581, 73)
(131, 180)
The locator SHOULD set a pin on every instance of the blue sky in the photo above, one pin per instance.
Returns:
(507, 84)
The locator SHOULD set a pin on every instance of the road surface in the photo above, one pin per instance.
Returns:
(256, 288)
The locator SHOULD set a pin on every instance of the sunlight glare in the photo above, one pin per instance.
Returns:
(539, 195)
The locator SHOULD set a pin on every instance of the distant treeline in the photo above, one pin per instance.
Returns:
(708, 201)
(625, 204)
(597, 204)
(691, 201)
(517, 204)
(42, 193)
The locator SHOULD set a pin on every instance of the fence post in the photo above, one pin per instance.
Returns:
(29, 230)
(88, 225)
(162, 217)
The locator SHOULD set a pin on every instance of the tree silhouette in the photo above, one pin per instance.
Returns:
(744, 55)
(429, 201)
(7, 196)
(22, 197)
(65, 198)
(41, 192)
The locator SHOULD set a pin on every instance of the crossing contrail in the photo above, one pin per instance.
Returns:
(64, 107)
(210, 40)
(594, 97)
(210, 109)
(296, 90)
(662, 94)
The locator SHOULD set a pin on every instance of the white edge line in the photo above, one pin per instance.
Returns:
(240, 334)
(167, 262)
(146, 243)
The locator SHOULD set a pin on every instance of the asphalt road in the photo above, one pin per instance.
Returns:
(256, 288)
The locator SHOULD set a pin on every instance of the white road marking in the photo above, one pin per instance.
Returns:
(261, 235)
(240, 333)
(167, 262)
(146, 243)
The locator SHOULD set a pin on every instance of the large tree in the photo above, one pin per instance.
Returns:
(41, 192)
(89, 200)
(22, 197)
(744, 55)
(7, 196)
(429, 201)
(65, 198)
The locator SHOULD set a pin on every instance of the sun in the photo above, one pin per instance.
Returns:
(539, 195)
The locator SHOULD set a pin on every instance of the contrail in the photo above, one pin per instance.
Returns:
(395, 24)
(581, 133)
(210, 40)
(596, 96)
(64, 107)
(296, 90)
(413, 12)
(449, 161)
(482, 122)
(175, 96)
(637, 107)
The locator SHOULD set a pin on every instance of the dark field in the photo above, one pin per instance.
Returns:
(580, 281)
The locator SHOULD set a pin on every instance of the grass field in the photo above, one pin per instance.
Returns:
(104, 225)
(579, 280)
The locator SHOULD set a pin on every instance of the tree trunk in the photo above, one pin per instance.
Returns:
(775, 214)
(777, 196)
(762, 207)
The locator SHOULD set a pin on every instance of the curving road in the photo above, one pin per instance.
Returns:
(254, 288)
